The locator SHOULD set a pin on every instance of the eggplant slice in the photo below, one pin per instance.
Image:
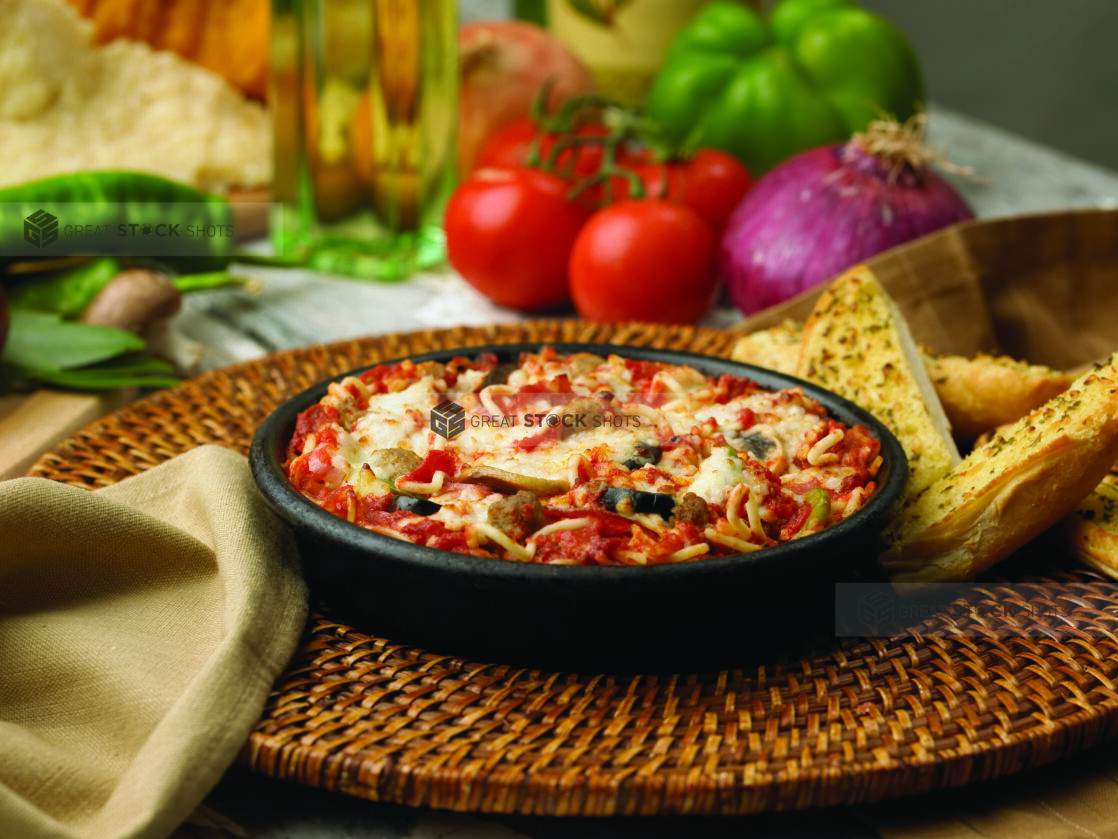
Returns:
(418, 506)
(628, 501)
(645, 454)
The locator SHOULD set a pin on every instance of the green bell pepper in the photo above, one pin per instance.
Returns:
(816, 72)
(115, 201)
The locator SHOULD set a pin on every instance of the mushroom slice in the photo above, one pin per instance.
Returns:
(582, 414)
(389, 464)
(499, 375)
(136, 300)
(501, 480)
(517, 516)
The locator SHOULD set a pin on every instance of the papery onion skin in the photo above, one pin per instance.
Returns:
(821, 212)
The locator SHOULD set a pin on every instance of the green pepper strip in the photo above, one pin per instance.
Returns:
(396, 490)
(820, 501)
(187, 283)
(116, 198)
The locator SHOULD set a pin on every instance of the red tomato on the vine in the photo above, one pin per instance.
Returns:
(510, 146)
(509, 233)
(645, 260)
(711, 182)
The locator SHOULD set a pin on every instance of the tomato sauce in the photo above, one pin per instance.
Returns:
(679, 490)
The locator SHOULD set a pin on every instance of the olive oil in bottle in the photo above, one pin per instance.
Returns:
(364, 97)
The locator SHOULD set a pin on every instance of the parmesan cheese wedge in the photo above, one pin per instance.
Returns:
(857, 344)
(68, 104)
(1009, 490)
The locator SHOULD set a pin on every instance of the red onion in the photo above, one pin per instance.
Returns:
(825, 210)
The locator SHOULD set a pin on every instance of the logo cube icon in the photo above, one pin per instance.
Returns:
(448, 419)
(40, 228)
(875, 609)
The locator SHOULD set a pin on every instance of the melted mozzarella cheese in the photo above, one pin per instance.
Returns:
(465, 504)
(392, 420)
(402, 419)
(468, 381)
(493, 446)
(348, 457)
(718, 474)
(789, 421)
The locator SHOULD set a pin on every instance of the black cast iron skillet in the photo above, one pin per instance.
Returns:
(718, 613)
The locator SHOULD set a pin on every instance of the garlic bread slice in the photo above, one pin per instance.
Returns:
(981, 393)
(1092, 528)
(776, 348)
(978, 394)
(1010, 489)
(857, 344)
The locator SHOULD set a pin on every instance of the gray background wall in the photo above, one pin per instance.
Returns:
(1044, 69)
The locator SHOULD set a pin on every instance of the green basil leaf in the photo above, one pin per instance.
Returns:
(126, 371)
(43, 341)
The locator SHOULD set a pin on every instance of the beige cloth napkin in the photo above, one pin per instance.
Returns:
(141, 629)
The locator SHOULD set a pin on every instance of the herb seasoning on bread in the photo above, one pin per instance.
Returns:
(1010, 489)
(1092, 529)
(856, 344)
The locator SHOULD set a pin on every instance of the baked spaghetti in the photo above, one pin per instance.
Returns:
(578, 459)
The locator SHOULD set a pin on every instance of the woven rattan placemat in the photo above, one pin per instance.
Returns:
(856, 720)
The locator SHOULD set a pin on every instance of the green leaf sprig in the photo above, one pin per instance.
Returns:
(43, 347)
